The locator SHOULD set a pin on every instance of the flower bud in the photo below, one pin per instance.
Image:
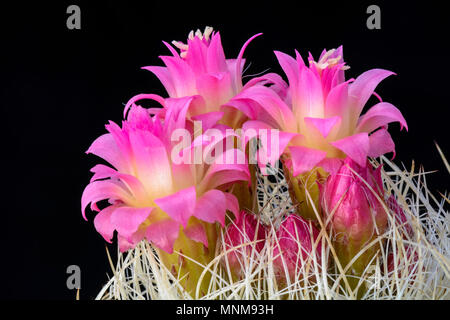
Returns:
(295, 248)
(400, 217)
(356, 215)
(243, 240)
(404, 261)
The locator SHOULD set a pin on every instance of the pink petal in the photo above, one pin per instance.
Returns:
(103, 225)
(336, 102)
(142, 96)
(378, 116)
(208, 119)
(362, 88)
(124, 244)
(289, 66)
(355, 146)
(215, 57)
(101, 172)
(180, 206)
(106, 147)
(272, 104)
(151, 162)
(211, 207)
(126, 220)
(304, 159)
(233, 205)
(330, 165)
(324, 125)
(221, 175)
(270, 78)
(132, 184)
(171, 49)
(239, 64)
(216, 89)
(245, 105)
(163, 234)
(196, 56)
(273, 141)
(380, 143)
(182, 76)
(223, 178)
(164, 76)
(197, 233)
(309, 101)
(177, 109)
(101, 190)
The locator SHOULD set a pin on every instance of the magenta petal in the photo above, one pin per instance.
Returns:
(106, 147)
(100, 190)
(163, 234)
(310, 95)
(362, 88)
(164, 76)
(289, 66)
(208, 119)
(103, 225)
(142, 96)
(215, 57)
(304, 159)
(331, 165)
(380, 143)
(380, 115)
(323, 125)
(336, 101)
(101, 172)
(180, 206)
(272, 104)
(197, 233)
(239, 64)
(233, 205)
(269, 78)
(182, 75)
(124, 244)
(151, 162)
(196, 56)
(130, 183)
(214, 88)
(223, 176)
(211, 207)
(126, 220)
(272, 146)
(355, 146)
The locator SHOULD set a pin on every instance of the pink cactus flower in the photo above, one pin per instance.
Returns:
(149, 195)
(247, 235)
(296, 246)
(356, 214)
(319, 117)
(201, 70)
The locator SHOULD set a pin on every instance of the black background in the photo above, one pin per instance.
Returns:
(59, 87)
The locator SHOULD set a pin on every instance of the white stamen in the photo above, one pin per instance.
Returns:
(199, 34)
(180, 45)
(325, 62)
(207, 32)
(184, 47)
(326, 55)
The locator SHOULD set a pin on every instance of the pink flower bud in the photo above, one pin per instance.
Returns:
(356, 212)
(402, 260)
(400, 216)
(247, 235)
(295, 247)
